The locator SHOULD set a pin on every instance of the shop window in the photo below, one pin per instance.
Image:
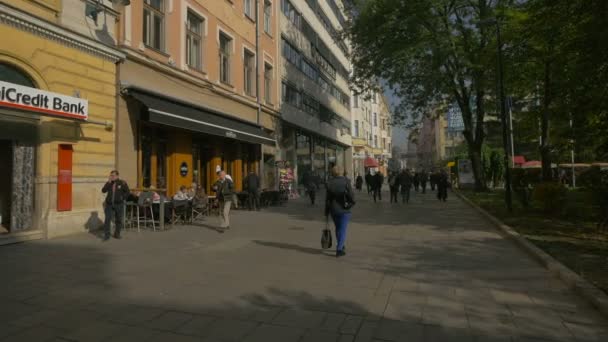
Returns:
(194, 38)
(154, 24)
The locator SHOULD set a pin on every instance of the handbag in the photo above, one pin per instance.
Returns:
(326, 238)
(347, 200)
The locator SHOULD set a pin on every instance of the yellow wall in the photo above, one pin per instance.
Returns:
(65, 70)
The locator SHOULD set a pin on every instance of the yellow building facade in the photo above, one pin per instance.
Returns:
(39, 55)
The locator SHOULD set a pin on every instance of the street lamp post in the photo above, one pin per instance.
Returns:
(503, 114)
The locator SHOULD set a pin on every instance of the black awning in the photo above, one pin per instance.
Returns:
(171, 112)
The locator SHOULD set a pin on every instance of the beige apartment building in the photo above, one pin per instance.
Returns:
(362, 138)
(199, 91)
(58, 76)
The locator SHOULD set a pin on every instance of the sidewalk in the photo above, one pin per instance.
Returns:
(428, 271)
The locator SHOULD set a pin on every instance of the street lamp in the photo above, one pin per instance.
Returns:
(503, 114)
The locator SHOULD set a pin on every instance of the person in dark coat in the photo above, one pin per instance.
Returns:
(393, 183)
(423, 178)
(416, 181)
(310, 184)
(252, 183)
(117, 192)
(443, 183)
(359, 182)
(405, 182)
(338, 203)
(369, 180)
(378, 179)
(433, 179)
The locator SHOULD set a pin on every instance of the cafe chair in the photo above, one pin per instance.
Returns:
(130, 215)
(144, 207)
(200, 209)
(179, 211)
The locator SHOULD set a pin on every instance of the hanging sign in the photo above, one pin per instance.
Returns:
(183, 169)
(43, 102)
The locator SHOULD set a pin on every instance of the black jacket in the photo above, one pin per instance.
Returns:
(339, 191)
(120, 195)
(378, 179)
(252, 182)
(224, 189)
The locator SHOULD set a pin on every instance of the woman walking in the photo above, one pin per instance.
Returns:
(340, 199)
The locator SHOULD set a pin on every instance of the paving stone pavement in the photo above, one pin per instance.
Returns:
(427, 271)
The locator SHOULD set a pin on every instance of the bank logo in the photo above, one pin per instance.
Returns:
(42, 102)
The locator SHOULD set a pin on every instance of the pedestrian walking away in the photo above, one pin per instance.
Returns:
(369, 180)
(359, 182)
(393, 183)
(423, 178)
(442, 186)
(339, 201)
(310, 183)
(405, 181)
(252, 183)
(378, 179)
(117, 192)
(433, 179)
(416, 181)
(224, 189)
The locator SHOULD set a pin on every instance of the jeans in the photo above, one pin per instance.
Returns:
(423, 186)
(405, 195)
(112, 211)
(254, 200)
(225, 214)
(394, 192)
(341, 223)
(377, 193)
(312, 194)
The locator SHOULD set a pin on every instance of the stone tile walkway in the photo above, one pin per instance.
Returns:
(426, 271)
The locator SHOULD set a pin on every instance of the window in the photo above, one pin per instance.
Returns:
(291, 54)
(225, 51)
(268, 84)
(310, 105)
(267, 17)
(356, 104)
(375, 141)
(374, 98)
(383, 142)
(248, 71)
(309, 70)
(375, 120)
(356, 128)
(154, 25)
(248, 5)
(194, 30)
(291, 95)
(291, 13)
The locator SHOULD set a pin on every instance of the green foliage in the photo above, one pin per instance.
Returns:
(551, 195)
(595, 180)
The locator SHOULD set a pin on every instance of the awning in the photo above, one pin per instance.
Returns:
(174, 113)
(519, 160)
(370, 162)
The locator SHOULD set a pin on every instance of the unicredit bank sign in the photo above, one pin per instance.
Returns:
(43, 102)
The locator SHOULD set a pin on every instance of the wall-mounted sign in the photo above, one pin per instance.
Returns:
(43, 102)
(231, 134)
(183, 169)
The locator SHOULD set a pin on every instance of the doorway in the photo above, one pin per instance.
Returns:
(6, 169)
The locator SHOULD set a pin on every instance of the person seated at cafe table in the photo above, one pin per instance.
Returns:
(181, 195)
(193, 190)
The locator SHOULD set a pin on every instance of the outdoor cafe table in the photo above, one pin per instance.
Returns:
(161, 203)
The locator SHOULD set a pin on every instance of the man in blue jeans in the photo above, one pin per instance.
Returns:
(339, 201)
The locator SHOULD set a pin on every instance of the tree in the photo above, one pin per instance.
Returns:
(429, 52)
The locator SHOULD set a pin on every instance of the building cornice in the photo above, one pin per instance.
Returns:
(28, 23)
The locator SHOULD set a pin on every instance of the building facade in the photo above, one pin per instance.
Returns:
(58, 67)
(362, 138)
(315, 131)
(199, 91)
(381, 132)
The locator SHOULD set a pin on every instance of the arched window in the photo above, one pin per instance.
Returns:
(9, 73)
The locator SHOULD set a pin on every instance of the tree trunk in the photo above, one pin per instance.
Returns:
(476, 163)
(545, 148)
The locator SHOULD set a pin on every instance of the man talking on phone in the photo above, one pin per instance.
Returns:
(117, 192)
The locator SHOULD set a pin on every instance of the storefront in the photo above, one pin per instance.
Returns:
(57, 106)
(313, 153)
(180, 143)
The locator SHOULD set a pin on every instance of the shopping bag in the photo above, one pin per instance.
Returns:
(326, 237)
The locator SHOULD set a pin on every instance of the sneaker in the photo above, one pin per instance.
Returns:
(340, 253)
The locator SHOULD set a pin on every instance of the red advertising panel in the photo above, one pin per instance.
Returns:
(64, 178)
